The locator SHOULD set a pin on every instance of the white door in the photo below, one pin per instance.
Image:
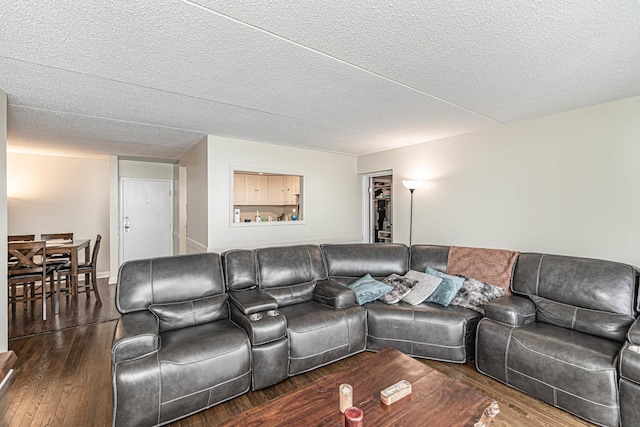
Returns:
(147, 219)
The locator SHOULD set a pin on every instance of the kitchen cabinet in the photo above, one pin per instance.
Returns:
(291, 189)
(270, 190)
(276, 190)
(256, 190)
(239, 189)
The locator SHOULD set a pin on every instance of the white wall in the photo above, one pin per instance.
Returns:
(145, 169)
(331, 189)
(195, 161)
(565, 184)
(51, 194)
(4, 312)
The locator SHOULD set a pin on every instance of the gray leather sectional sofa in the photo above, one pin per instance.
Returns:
(197, 330)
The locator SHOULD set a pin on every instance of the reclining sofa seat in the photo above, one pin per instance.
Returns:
(175, 351)
(630, 378)
(316, 321)
(426, 330)
(559, 338)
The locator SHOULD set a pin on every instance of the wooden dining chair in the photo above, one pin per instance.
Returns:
(63, 237)
(29, 271)
(88, 268)
(57, 236)
(21, 238)
(12, 260)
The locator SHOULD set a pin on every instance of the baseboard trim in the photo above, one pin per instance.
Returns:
(196, 247)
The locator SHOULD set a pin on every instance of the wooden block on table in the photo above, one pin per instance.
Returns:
(395, 392)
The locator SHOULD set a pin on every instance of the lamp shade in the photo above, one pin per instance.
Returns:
(411, 184)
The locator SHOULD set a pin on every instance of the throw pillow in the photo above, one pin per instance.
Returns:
(446, 290)
(401, 287)
(368, 289)
(426, 284)
(474, 294)
(190, 313)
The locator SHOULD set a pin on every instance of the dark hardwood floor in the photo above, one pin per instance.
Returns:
(63, 376)
(29, 321)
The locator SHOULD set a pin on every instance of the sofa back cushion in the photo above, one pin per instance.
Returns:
(593, 322)
(358, 259)
(240, 270)
(167, 280)
(184, 314)
(594, 296)
(289, 265)
(434, 256)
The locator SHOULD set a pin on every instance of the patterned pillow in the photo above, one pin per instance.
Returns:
(423, 289)
(401, 287)
(474, 294)
(368, 289)
(446, 290)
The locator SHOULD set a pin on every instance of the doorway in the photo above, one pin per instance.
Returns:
(380, 208)
(146, 225)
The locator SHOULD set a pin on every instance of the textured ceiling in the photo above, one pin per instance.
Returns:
(152, 78)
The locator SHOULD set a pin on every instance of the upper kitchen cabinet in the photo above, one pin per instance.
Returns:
(271, 189)
(291, 189)
(239, 185)
(256, 190)
(276, 190)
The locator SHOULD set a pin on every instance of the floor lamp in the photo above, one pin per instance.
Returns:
(411, 185)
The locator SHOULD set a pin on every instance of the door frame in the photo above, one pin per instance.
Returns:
(122, 180)
(367, 203)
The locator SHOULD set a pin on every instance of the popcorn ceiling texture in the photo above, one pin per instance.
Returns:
(351, 77)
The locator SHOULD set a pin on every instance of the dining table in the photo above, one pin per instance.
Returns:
(72, 248)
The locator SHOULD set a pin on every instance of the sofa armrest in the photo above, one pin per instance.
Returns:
(136, 335)
(333, 294)
(629, 361)
(251, 301)
(511, 310)
(633, 335)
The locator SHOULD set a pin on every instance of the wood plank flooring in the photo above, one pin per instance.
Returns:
(29, 321)
(63, 378)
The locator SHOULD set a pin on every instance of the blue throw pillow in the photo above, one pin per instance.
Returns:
(368, 289)
(446, 290)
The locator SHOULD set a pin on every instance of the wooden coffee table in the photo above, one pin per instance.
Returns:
(435, 400)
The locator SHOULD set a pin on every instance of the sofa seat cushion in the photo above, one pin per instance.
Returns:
(201, 358)
(569, 369)
(425, 330)
(319, 334)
